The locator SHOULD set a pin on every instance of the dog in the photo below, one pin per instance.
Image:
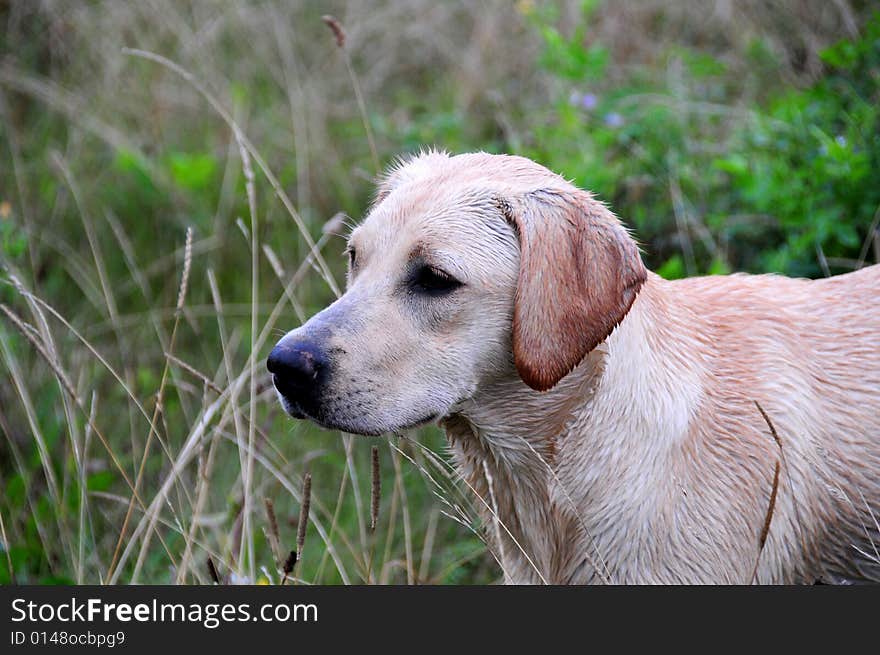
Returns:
(615, 427)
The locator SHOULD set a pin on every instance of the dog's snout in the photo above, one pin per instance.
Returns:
(295, 365)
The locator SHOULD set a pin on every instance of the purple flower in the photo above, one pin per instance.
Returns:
(840, 140)
(613, 119)
(586, 101)
(589, 101)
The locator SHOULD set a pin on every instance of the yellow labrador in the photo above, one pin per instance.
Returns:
(610, 420)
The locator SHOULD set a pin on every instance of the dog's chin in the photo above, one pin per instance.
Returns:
(331, 422)
(291, 408)
(356, 427)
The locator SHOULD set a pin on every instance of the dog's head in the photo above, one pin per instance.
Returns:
(465, 268)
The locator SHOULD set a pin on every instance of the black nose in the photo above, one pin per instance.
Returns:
(296, 364)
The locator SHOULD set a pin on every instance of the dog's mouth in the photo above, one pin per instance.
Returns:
(349, 425)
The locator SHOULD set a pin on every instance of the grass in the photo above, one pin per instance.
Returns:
(200, 449)
(174, 179)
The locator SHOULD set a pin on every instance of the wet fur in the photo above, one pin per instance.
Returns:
(662, 470)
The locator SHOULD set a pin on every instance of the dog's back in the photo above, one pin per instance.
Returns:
(807, 351)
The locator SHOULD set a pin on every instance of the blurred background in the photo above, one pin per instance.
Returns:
(175, 182)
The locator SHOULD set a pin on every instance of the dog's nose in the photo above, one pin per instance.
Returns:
(295, 366)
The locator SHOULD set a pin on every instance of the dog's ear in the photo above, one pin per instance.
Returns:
(408, 169)
(579, 274)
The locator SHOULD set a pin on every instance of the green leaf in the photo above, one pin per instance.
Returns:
(736, 165)
(672, 268)
(719, 267)
(100, 481)
(192, 171)
(842, 55)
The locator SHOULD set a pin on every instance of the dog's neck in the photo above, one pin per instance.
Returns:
(508, 439)
(517, 424)
(514, 422)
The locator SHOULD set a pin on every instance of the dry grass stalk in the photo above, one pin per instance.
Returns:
(249, 177)
(376, 487)
(335, 520)
(303, 514)
(869, 239)
(770, 425)
(404, 506)
(362, 514)
(195, 373)
(771, 505)
(336, 27)
(339, 34)
(157, 410)
(30, 335)
(82, 474)
(187, 266)
(496, 522)
(273, 533)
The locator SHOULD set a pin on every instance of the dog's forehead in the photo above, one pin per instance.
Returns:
(425, 215)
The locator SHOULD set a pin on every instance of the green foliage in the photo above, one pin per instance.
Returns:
(193, 172)
(13, 241)
(569, 57)
(812, 162)
(795, 176)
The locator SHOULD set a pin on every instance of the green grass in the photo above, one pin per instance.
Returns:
(741, 141)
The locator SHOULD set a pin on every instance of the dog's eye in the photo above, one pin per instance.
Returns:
(434, 282)
(352, 256)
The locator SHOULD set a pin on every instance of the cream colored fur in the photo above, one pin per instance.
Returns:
(650, 461)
